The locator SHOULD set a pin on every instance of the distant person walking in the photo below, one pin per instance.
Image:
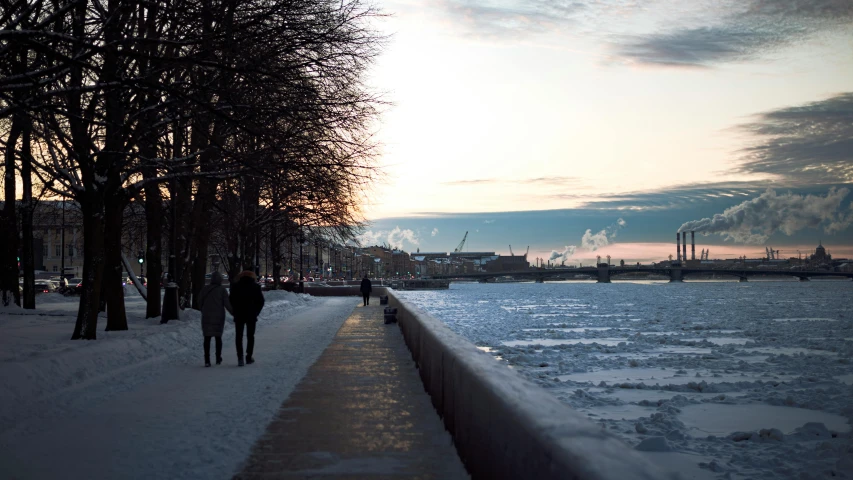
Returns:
(366, 288)
(213, 301)
(247, 301)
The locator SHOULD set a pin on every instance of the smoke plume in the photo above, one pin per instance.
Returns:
(594, 241)
(753, 221)
(564, 255)
(394, 238)
(590, 241)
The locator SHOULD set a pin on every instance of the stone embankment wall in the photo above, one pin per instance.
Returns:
(503, 426)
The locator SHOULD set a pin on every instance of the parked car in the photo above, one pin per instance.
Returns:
(45, 286)
(129, 281)
(75, 287)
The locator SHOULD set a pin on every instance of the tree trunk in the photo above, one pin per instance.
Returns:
(205, 197)
(183, 204)
(91, 202)
(27, 259)
(9, 262)
(274, 250)
(148, 152)
(154, 239)
(92, 208)
(114, 110)
(113, 289)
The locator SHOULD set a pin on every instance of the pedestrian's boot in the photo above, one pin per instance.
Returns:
(207, 361)
(240, 361)
(250, 360)
(219, 360)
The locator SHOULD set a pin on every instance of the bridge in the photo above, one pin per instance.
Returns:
(604, 272)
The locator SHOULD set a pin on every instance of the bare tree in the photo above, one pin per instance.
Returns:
(188, 100)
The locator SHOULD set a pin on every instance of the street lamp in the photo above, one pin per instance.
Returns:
(141, 260)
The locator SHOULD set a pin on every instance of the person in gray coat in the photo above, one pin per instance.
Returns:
(213, 301)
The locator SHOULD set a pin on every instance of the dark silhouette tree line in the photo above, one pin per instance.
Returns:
(249, 114)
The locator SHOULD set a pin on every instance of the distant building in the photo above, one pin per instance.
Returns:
(820, 255)
(512, 263)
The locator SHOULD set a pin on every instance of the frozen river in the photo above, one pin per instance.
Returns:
(714, 379)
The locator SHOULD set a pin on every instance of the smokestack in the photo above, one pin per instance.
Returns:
(692, 245)
(684, 247)
(678, 246)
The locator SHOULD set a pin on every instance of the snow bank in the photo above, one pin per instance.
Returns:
(39, 362)
(139, 404)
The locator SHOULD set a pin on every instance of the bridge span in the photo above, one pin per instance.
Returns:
(603, 273)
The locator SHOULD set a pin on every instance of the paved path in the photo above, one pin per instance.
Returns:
(360, 412)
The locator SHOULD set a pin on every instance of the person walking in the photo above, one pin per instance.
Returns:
(247, 301)
(366, 288)
(213, 301)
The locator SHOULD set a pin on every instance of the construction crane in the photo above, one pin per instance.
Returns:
(510, 251)
(462, 243)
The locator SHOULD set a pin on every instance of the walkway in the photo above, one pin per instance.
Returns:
(360, 412)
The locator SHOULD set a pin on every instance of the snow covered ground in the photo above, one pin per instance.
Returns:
(140, 404)
(713, 379)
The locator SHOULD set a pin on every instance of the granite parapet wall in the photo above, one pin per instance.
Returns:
(503, 426)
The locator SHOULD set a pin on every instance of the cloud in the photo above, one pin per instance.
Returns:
(594, 241)
(476, 181)
(564, 255)
(700, 47)
(394, 238)
(558, 181)
(434, 232)
(513, 19)
(811, 143)
(753, 221)
(554, 181)
(796, 147)
(370, 238)
(753, 29)
(689, 195)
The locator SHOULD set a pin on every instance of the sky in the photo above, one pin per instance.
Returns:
(545, 122)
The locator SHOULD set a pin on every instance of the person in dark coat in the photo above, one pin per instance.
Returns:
(366, 288)
(213, 301)
(247, 301)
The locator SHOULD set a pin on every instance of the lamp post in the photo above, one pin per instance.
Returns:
(171, 308)
(141, 260)
(62, 241)
(301, 241)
